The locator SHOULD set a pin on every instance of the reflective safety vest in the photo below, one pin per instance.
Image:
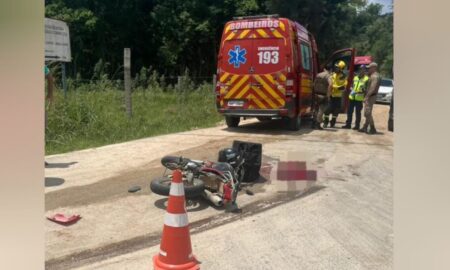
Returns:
(339, 84)
(359, 87)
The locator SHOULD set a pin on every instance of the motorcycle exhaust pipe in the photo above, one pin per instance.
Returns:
(214, 198)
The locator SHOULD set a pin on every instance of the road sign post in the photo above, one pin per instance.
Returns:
(63, 76)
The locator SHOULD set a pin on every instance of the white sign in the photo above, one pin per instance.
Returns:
(268, 55)
(254, 24)
(57, 41)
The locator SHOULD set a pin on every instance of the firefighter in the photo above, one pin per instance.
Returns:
(370, 98)
(339, 82)
(356, 98)
(322, 89)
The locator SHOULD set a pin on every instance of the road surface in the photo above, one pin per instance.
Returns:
(343, 221)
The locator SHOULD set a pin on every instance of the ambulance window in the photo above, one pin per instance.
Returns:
(306, 56)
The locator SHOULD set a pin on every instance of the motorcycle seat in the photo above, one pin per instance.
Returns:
(223, 167)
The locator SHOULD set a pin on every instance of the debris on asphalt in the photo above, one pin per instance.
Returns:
(249, 192)
(63, 219)
(134, 189)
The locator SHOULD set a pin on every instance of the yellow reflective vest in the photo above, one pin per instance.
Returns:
(359, 88)
(339, 84)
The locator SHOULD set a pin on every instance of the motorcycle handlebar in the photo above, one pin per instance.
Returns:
(174, 162)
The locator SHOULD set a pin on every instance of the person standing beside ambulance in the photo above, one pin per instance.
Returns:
(356, 98)
(370, 98)
(322, 90)
(339, 82)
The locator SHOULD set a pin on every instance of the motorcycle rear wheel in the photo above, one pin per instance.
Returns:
(161, 186)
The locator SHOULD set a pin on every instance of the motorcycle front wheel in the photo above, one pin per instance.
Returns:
(161, 186)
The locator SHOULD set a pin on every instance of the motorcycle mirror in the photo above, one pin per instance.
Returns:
(191, 165)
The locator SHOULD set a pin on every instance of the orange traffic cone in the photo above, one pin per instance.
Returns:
(175, 251)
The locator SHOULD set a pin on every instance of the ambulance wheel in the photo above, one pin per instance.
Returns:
(232, 121)
(294, 123)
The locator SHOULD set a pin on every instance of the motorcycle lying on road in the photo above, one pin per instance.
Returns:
(218, 182)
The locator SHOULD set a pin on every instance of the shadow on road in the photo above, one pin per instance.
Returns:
(60, 165)
(53, 181)
(273, 127)
(296, 194)
(330, 129)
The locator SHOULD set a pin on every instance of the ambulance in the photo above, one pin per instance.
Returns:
(266, 68)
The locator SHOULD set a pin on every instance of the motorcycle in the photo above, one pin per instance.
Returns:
(218, 182)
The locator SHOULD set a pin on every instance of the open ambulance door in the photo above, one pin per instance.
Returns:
(348, 56)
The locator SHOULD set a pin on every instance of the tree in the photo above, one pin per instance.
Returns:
(173, 35)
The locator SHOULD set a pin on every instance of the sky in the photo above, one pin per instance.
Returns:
(386, 4)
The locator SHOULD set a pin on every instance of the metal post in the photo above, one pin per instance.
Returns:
(63, 74)
(214, 82)
(178, 89)
(179, 83)
(127, 80)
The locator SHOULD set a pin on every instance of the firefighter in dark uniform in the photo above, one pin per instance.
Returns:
(373, 85)
(322, 90)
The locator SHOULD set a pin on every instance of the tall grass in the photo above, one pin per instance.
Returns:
(94, 114)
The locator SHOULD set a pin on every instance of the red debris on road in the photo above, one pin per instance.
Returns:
(63, 219)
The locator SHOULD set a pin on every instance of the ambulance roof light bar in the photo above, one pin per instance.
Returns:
(269, 16)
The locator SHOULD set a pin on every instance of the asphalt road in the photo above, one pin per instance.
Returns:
(343, 220)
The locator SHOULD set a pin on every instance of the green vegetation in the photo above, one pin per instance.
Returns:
(94, 115)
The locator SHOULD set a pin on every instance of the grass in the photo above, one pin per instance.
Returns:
(94, 115)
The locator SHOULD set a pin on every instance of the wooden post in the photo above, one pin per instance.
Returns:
(127, 80)
(184, 89)
(178, 89)
(179, 83)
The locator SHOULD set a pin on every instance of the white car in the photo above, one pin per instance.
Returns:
(385, 92)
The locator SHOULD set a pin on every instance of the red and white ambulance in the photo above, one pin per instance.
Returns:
(266, 68)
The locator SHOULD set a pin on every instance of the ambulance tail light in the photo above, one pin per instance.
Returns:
(290, 86)
(217, 88)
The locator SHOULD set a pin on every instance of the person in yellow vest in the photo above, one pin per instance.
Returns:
(356, 98)
(339, 83)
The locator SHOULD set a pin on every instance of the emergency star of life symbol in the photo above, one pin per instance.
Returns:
(237, 56)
